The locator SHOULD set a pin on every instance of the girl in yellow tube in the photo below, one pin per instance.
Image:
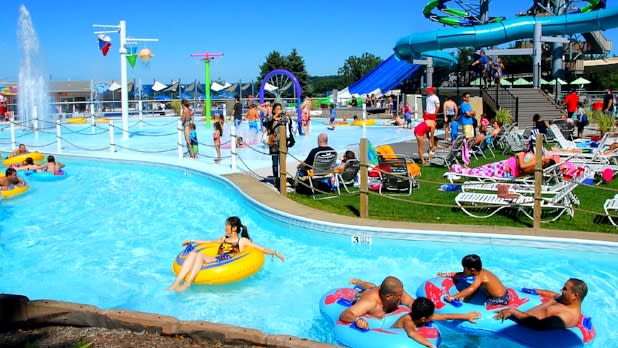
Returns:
(235, 240)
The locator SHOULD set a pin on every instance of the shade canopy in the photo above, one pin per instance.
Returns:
(522, 82)
(544, 82)
(580, 81)
(560, 81)
(505, 82)
(476, 82)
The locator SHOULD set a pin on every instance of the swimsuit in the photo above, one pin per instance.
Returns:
(502, 300)
(421, 129)
(227, 249)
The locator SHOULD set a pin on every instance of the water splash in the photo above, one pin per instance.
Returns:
(31, 84)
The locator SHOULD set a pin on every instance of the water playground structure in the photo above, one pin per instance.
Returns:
(471, 26)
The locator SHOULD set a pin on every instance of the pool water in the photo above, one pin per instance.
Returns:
(158, 136)
(107, 235)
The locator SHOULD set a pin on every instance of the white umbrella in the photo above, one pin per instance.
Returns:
(476, 82)
(580, 81)
(560, 81)
(522, 82)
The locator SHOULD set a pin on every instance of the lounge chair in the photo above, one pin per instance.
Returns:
(448, 156)
(394, 174)
(322, 169)
(562, 141)
(348, 176)
(611, 209)
(491, 204)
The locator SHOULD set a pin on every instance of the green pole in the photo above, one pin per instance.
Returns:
(207, 91)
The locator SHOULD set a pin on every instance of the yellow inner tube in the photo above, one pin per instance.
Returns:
(36, 157)
(368, 122)
(16, 190)
(76, 120)
(82, 120)
(240, 266)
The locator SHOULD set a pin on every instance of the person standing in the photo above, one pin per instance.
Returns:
(451, 119)
(608, 103)
(482, 69)
(237, 112)
(570, 102)
(432, 107)
(467, 116)
(305, 109)
(186, 118)
(272, 125)
(498, 69)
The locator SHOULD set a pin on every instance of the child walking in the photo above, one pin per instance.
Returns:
(194, 143)
(216, 137)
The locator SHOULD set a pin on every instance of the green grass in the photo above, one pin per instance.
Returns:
(428, 205)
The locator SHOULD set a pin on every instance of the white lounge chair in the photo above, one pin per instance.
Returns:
(611, 209)
(491, 204)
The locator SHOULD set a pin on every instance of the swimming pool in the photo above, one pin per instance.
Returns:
(108, 233)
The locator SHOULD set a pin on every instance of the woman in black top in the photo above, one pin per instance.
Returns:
(272, 124)
(538, 124)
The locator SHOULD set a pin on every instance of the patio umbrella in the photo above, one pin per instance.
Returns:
(476, 82)
(544, 82)
(580, 81)
(560, 81)
(505, 82)
(522, 82)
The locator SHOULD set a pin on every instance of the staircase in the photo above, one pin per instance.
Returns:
(534, 101)
(598, 43)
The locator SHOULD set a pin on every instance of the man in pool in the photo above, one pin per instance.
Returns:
(472, 266)
(10, 178)
(559, 312)
(422, 313)
(376, 301)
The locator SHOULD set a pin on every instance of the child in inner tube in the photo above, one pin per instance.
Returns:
(497, 293)
(422, 314)
(235, 240)
(51, 166)
(10, 179)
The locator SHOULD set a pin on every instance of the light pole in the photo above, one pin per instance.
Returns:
(121, 29)
(206, 57)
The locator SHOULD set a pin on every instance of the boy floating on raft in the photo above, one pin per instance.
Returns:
(497, 293)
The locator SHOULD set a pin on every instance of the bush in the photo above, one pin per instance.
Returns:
(504, 116)
(176, 106)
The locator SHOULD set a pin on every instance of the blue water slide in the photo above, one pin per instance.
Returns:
(392, 72)
(412, 46)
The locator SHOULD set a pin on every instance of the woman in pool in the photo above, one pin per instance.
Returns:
(235, 240)
(51, 166)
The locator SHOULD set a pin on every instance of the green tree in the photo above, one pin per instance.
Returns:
(321, 85)
(274, 60)
(465, 57)
(296, 65)
(356, 67)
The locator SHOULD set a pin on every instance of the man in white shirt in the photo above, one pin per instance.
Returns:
(432, 107)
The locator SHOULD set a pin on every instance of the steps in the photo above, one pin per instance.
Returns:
(534, 101)
(598, 43)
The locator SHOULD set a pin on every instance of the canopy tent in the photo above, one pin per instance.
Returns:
(114, 86)
(195, 87)
(476, 82)
(580, 81)
(158, 86)
(560, 81)
(522, 82)
(216, 87)
(505, 82)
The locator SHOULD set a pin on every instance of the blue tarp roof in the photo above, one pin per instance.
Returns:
(386, 76)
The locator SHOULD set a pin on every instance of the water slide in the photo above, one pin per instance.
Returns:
(392, 72)
(412, 46)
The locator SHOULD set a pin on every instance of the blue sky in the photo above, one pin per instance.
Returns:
(325, 33)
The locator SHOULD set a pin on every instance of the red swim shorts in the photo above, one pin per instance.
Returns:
(421, 129)
(427, 116)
